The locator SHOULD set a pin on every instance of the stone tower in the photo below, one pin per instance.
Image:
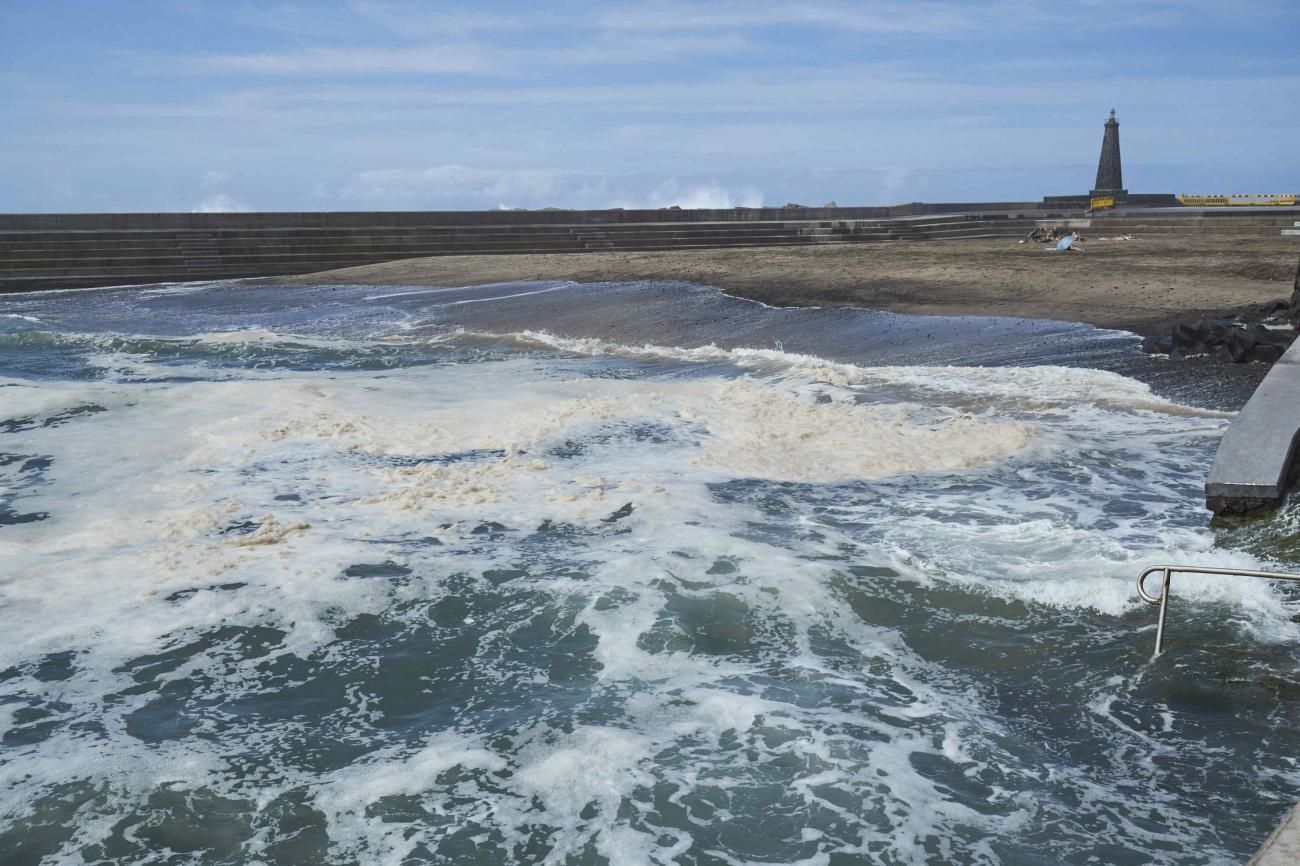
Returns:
(1110, 177)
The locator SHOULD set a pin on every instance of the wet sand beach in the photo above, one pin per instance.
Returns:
(1143, 285)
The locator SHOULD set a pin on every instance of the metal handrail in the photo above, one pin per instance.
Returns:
(1168, 570)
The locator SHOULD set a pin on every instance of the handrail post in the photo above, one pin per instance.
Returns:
(1167, 572)
(1164, 609)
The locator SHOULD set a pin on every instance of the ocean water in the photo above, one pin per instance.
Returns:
(614, 573)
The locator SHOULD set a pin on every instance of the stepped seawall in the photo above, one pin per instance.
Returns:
(61, 251)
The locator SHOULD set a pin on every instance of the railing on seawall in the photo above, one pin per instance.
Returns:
(1166, 585)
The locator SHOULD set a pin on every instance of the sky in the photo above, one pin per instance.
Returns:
(181, 105)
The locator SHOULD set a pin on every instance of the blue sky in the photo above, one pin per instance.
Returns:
(364, 104)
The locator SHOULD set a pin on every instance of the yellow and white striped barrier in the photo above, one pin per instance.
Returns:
(1239, 200)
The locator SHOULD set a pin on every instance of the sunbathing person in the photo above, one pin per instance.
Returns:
(1068, 244)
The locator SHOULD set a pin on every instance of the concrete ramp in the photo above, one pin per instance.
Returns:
(1283, 847)
(1254, 459)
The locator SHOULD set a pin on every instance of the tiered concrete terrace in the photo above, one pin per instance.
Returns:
(59, 251)
(93, 250)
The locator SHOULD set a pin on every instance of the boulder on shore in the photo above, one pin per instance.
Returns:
(1238, 340)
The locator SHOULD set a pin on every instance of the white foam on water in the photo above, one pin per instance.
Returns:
(158, 474)
(254, 336)
(442, 290)
(1100, 569)
(1028, 386)
(706, 609)
(19, 399)
(763, 434)
(182, 288)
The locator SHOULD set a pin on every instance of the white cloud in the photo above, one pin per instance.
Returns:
(945, 18)
(893, 181)
(461, 186)
(427, 59)
(418, 20)
(488, 187)
(709, 194)
(464, 58)
(609, 50)
(214, 178)
(890, 17)
(220, 203)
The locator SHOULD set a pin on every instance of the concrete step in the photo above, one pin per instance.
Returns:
(72, 259)
(234, 266)
(1184, 231)
(335, 234)
(289, 255)
(118, 236)
(33, 258)
(1195, 220)
(13, 246)
(1193, 224)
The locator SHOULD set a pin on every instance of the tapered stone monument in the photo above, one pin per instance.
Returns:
(1110, 174)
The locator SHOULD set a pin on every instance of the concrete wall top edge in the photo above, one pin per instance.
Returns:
(594, 218)
(326, 219)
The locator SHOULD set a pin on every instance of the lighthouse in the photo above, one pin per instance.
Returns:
(1110, 175)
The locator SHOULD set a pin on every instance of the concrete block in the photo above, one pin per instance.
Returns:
(1282, 848)
(1255, 455)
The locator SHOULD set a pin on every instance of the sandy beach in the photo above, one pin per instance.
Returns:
(1142, 285)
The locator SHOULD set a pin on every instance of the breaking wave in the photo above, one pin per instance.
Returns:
(313, 591)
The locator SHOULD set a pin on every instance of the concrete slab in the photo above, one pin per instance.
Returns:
(1254, 458)
(1282, 848)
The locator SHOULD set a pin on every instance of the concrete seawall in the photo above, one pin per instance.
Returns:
(69, 251)
(1255, 463)
(1282, 848)
(556, 216)
(57, 251)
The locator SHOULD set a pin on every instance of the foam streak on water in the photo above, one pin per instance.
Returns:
(298, 575)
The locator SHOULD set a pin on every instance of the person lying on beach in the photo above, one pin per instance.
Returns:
(1067, 244)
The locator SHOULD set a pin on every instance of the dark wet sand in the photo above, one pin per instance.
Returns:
(1144, 285)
